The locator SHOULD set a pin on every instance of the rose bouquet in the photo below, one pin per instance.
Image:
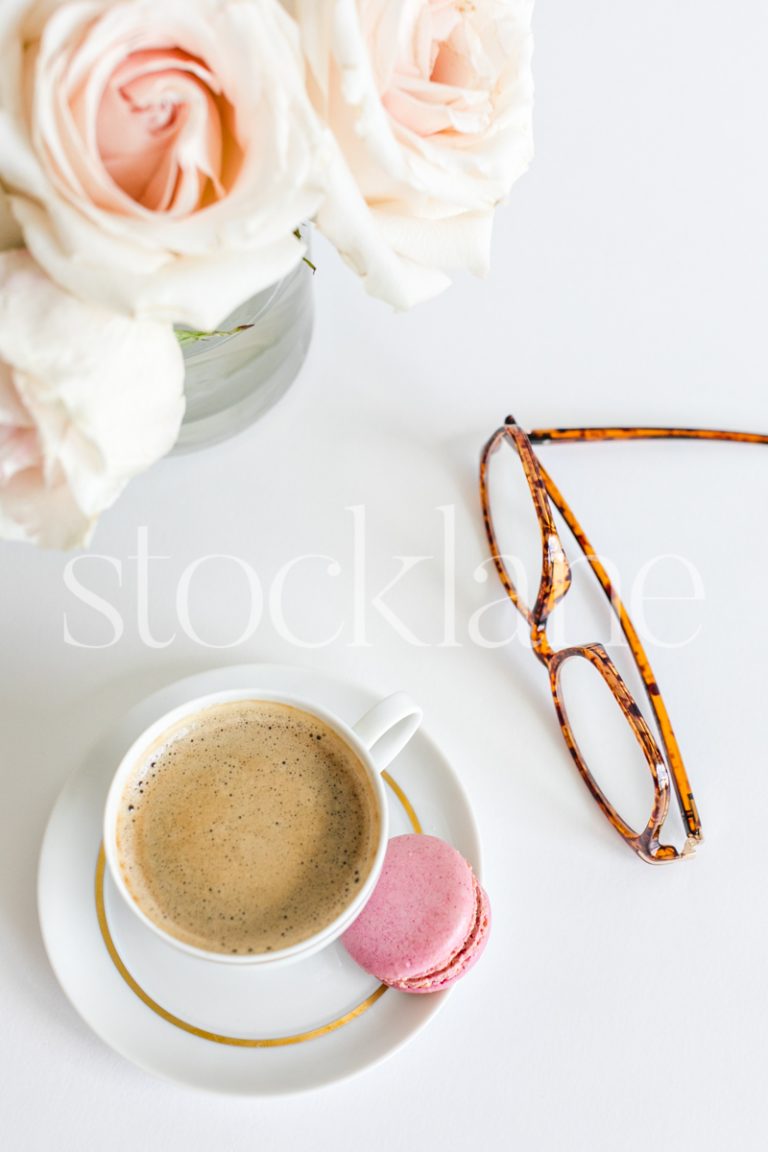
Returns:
(157, 161)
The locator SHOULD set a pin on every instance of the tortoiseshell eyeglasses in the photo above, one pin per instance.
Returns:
(553, 584)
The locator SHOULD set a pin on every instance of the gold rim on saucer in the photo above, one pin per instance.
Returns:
(214, 1037)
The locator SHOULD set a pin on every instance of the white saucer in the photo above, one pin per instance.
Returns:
(229, 1030)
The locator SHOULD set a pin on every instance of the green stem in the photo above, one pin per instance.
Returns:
(191, 336)
(307, 261)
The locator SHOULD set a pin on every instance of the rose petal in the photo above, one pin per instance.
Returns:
(348, 223)
(171, 292)
(159, 131)
(33, 511)
(19, 450)
(10, 233)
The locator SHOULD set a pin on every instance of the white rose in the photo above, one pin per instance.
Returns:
(430, 102)
(88, 398)
(159, 153)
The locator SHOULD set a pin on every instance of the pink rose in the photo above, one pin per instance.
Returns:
(88, 399)
(159, 154)
(430, 103)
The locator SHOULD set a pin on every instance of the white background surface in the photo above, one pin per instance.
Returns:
(617, 1004)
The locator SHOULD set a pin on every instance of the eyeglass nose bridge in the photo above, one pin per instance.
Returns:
(556, 578)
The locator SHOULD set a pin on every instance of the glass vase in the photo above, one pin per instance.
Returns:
(237, 374)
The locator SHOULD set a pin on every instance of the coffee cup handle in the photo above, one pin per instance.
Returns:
(387, 728)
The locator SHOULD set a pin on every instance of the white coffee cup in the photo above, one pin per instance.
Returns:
(376, 739)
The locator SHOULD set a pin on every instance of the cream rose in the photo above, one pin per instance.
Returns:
(159, 154)
(88, 398)
(430, 103)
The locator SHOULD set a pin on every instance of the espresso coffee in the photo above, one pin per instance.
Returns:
(247, 828)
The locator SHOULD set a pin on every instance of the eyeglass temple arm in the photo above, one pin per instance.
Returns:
(680, 779)
(582, 435)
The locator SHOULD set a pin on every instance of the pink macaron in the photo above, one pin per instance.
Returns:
(428, 919)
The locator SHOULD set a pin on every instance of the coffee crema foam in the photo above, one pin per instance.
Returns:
(247, 828)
